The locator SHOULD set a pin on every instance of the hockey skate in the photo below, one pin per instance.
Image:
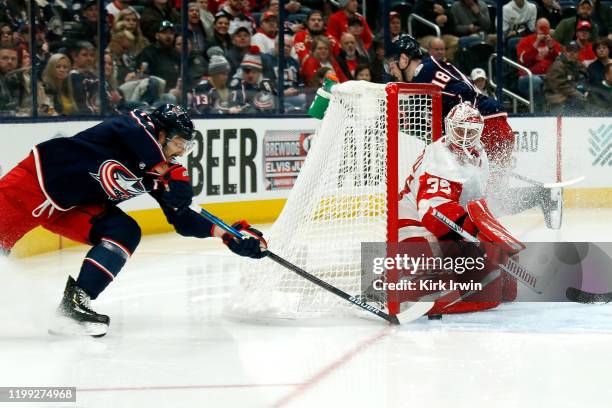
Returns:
(75, 316)
(552, 207)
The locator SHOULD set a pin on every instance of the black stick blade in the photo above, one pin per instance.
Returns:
(580, 296)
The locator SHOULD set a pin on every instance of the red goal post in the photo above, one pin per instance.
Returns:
(431, 97)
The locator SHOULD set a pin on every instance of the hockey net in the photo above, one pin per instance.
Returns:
(346, 194)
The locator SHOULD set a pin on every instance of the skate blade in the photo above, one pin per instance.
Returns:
(70, 328)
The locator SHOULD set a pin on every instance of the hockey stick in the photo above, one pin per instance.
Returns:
(580, 296)
(514, 268)
(547, 185)
(413, 313)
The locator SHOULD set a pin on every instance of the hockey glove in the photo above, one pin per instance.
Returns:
(176, 188)
(253, 245)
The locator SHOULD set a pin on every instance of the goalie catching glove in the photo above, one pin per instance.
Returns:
(252, 245)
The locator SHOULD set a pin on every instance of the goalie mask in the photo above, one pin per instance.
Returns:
(463, 126)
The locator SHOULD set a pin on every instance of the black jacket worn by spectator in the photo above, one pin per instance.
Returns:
(152, 16)
(84, 90)
(425, 9)
(342, 61)
(600, 98)
(163, 62)
(595, 72)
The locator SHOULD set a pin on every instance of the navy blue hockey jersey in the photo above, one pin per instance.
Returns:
(456, 87)
(105, 163)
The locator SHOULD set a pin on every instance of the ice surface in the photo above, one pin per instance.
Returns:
(170, 345)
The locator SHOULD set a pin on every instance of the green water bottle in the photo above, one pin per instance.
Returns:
(321, 101)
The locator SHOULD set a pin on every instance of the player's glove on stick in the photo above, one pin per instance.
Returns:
(253, 246)
(177, 192)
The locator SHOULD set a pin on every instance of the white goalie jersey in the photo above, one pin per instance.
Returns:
(445, 178)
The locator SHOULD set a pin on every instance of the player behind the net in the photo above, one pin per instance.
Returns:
(450, 177)
(72, 185)
(407, 63)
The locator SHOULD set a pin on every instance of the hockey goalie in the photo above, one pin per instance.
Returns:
(450, 177)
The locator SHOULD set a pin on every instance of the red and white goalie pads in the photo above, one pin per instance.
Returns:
(490, 230)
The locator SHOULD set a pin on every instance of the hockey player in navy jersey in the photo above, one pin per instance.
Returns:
(72, 185)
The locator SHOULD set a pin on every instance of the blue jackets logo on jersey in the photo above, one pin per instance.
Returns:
(117, 181)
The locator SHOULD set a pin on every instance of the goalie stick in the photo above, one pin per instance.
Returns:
(547, 185)
(417, 310)
(533, 282)
(581, 296)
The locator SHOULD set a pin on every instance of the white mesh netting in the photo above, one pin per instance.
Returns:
(338, 202)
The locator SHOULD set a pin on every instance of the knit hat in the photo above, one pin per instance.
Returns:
(252, 59)
(216, 50)
(590, 2)
(218, 65)
(583, 25)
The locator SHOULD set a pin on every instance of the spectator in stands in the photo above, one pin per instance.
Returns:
(356, 27)
(315, 26)
(472, 21)
(293, 89)
(234, 10)
(550, 10)
(197, 64)
(83, 77)
(596, 69)
(266, 34)
(565, 31)
(377, 61)
(57, 85)
(113, 96)
(221, 36)
(6, 35)
(128, 19)
(252, 92)
(295, 11)
(363, 73)
(349, 57)
(208, 19)
(600, 94)
(562, 80)
(436, 12)
(196, 28)
(437, 49)
(602, 16)
(122, 41)
(338, 22)
(212, 95)
(479, 78)
(395, 24)
(160, 58)
(519, 18)
(19, 82)
(583, 38)
(153, 15)
(88, 29)
(8, 63)
(114, 8)
(537, 52)
(241, 42)
(320, 56)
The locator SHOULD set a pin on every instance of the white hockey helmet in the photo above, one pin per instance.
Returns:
(464, 125)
